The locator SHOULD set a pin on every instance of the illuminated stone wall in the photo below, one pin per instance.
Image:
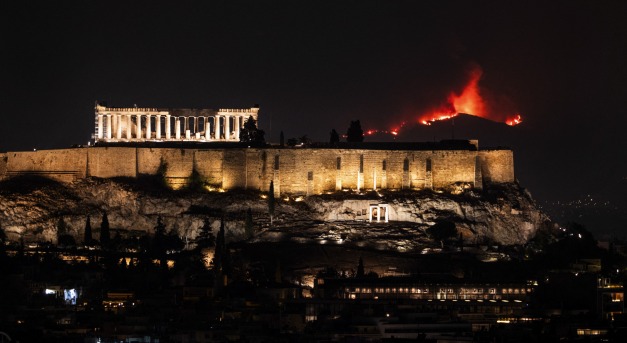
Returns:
(63, 165)
(497, 166)
(294, 171)
(3, 165)
(108, 162)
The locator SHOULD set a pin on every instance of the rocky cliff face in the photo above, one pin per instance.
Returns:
(33, 208)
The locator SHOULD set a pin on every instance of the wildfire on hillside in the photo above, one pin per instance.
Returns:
(469, 101)
(517, 119)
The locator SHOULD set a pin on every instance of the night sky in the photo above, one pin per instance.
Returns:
(313, 66)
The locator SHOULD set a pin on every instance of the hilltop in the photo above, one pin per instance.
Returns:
(32, 208)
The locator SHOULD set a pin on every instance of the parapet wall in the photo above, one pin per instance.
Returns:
(294, 171)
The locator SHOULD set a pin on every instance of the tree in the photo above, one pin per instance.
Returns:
(442, 231)
(64, 239)
(218, 257)
(335, 138)
(116, 242)
(162, 172)
(87, 240)
(160, 227)
(271, 201)
(281, 140)
(159, 243)
(221, 261)
(105, 235)
(360, 268)
(248, 226)
(354, 132)
(304, 140)
(292, 142)
(205, 238)
(165, 242)
(3, 240)
(195, 181)
(61, 227)
(250, 133)
(3, 236)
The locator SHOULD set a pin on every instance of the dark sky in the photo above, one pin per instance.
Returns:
(314, 65)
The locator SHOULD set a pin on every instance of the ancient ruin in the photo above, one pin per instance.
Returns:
(139, 124)
(179, 143)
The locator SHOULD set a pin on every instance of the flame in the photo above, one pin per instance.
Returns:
(469, 101)
(393, 131)
(515, 120)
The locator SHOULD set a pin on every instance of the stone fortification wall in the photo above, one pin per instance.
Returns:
(3, 165)
(110, 162)
(64, 164)
(497, 166)
(294, 171)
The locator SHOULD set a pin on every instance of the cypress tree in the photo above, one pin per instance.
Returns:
(3, 239)
(205, 238)
(271, 201)
(61, 227)
(159, 243)
(218, 258)
(354, 132)
(334, 138)
(250, 133)
(87, 237)
(105, 235)
(360, 268)
(282, 139)
(248, 228)
(63, 237)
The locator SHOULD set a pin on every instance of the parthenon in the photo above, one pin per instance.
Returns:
(140, 124)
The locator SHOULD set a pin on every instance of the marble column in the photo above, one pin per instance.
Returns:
(168, 134)
(100, 128)
(118, 122)
(227, 128)
(207, 129)
(158, 125)
(148, 128)
(129, 132)
(114, 127)
(237, 125)
(177, 128)
(217, 128)
(108, 126)
(138, 131)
